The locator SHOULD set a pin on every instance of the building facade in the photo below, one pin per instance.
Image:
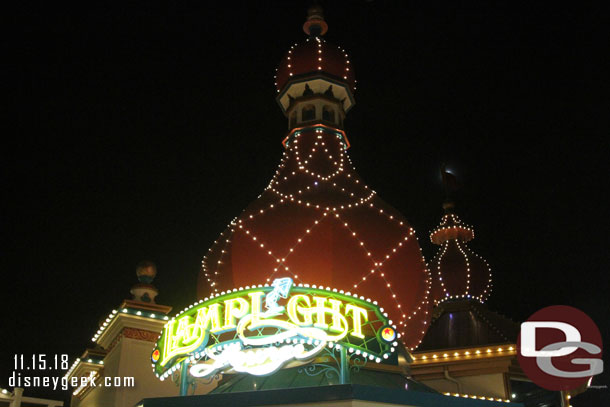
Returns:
(318, 292)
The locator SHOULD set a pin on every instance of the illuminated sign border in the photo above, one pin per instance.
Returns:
(311, 319)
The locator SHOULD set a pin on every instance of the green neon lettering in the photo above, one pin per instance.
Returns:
(337, 325)
(311, 313)
(255, 305)
(320, 310)
(358, 316)
(207, 316)
(294, 310)
(188, 336)
(235, 308)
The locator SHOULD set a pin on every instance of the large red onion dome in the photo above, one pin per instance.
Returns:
(457, 271)
(320, 224)
(315, 56)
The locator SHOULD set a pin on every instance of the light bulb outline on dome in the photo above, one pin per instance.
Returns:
(319, 180)
(453, 236)
(325, 212)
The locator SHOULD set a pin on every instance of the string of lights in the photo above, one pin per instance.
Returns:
(452, 236)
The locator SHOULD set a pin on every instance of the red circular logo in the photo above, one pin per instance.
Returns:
(560, 348)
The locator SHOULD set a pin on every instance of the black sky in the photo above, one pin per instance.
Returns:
(138, 131)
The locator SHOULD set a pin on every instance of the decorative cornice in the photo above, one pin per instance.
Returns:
(126, 319)
(134, 333)
(160, 309)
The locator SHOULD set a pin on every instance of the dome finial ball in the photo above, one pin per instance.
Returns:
(315, 24)
(146, 271)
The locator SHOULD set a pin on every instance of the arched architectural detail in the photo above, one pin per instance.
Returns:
(328, 114)
(308, 112)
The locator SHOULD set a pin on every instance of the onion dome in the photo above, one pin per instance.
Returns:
(315, 55)
(457, 271)
(315, 58)
(318, 223)
(144, 291)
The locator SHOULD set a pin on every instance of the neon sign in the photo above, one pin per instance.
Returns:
(259, 329)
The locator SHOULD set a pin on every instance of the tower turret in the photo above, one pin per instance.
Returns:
(315, 80)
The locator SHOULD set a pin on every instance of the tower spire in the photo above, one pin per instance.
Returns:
(450, 185)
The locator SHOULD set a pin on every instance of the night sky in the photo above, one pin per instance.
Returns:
(139, 131)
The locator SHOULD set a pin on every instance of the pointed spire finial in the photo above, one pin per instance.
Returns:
(450, 185)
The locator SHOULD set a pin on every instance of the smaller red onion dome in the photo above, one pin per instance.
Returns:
(315, 56)
(457, 271)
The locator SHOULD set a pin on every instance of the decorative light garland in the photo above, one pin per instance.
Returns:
(451, 222)
(433, 357)
(470, 396)
(317, 55)
(115, 314)
(212, 279)
(341, 166)
(456, 235)
(78, 361)
(69, 372)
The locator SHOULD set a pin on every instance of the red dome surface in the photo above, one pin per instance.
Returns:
(315, 55)
(457, 271)
(318, 223)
